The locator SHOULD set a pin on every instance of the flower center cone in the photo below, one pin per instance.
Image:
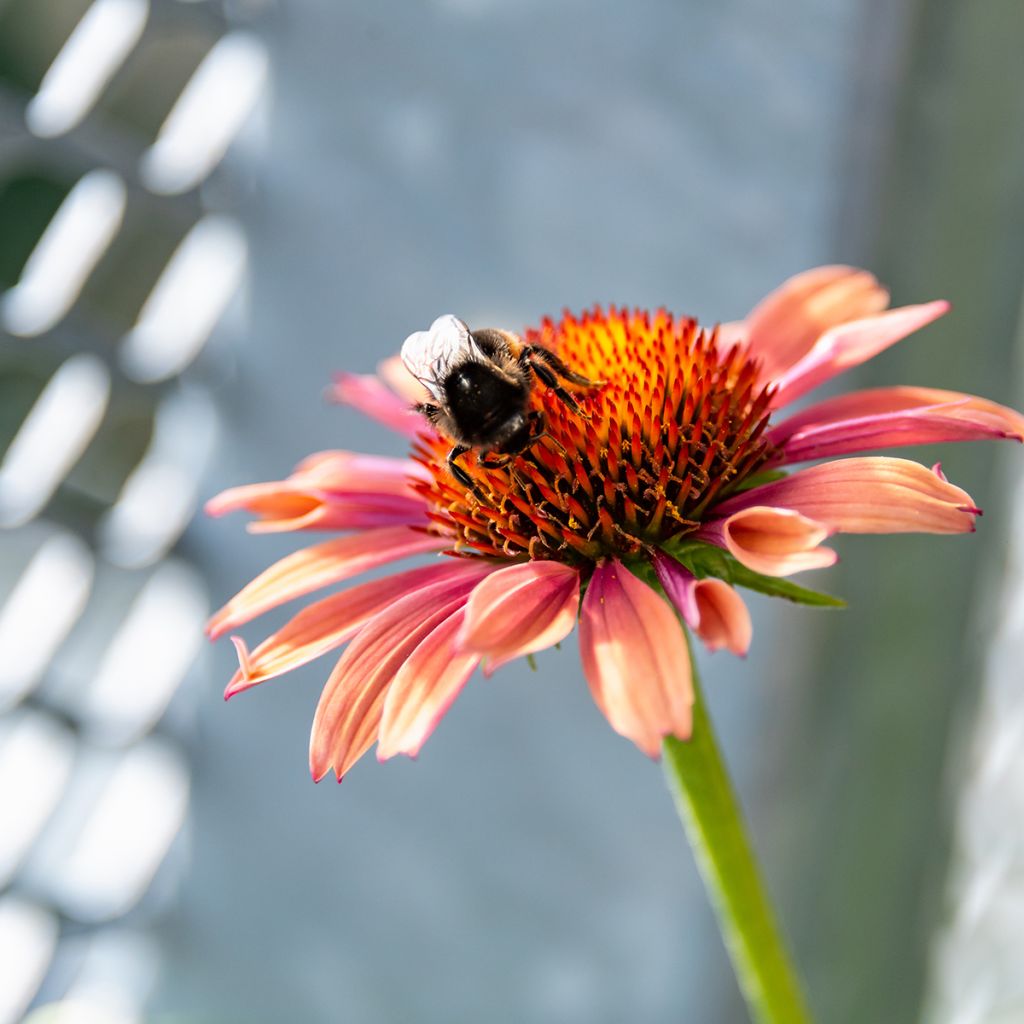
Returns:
(675, 425)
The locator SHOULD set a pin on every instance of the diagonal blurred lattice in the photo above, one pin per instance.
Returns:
(114, 272)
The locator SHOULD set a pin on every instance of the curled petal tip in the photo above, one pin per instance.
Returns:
(242, 650)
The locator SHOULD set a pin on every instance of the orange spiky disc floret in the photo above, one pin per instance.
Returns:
(675, 426)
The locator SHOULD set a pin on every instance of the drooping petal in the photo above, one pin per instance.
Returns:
(849, 345)
(366, 393)
(328, 623)
(317, 566)
(886, 417)
(772, 541)
(354, 472)
(710, 607)
(521, 609)
(423, 690)
(875, 494)
(348, 714)
(784, 326)
(635, 658)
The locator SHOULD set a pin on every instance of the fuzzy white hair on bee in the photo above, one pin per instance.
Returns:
(429, 355)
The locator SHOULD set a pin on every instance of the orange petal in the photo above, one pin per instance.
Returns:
(867, 495)
(278, 499)
(882, 417)
(773, 541)
(783, 327)
(851, 344)
(710, 607)
(348, 715)
(317, 566)
(301, 503)
(723, 619)
(521, 609)
(635, 659)
(326, 624)
(423, 690)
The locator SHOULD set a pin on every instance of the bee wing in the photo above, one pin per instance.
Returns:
(428, 355)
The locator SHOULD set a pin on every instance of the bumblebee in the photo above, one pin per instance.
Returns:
(480, 382)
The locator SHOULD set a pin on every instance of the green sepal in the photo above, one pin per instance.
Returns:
(705, 560)
(769, 476)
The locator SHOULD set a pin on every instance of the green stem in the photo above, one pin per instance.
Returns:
(714, 825)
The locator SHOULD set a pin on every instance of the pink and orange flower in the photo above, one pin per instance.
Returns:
(638, 513)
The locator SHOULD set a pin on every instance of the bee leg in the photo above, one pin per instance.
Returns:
(551, 381)
(539, 361)
(457, 471)
(538, 431)
(507, 460)
(535, 354)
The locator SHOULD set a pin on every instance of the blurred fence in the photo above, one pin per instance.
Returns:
(114, 271)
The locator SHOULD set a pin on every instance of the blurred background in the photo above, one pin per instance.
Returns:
(206, 208)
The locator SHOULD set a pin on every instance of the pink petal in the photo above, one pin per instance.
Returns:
(635, 658)
(772, 541)
(293, 504)
(348, 715)
(278, 499)
(884, 417)
(851, 344)
(733, 332)
(521, 609)
(867, 495)
(326, 624)
(783, 327)
(394, 373)
(349, 512)
(423, 690)
(317, 566)
(710, 607)
(354, 472)
(367, 394)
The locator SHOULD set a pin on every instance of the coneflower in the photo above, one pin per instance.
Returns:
(642, 505)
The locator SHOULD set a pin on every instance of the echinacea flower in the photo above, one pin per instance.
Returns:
(634, 513)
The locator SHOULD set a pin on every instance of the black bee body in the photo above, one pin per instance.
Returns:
(486, 402)
(481, 383)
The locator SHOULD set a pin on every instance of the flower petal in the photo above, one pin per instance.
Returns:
(423, 689)
(882, 417)
(348, 714)
(366, 393)
(317, 566)
(294, 504)
(772, 541)
(710, 607)
(394, 373)
(521, 609)
(332, 621)
(867, 495)
(851, 344)
(635, 658)
(340, 470)
(784, 326)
